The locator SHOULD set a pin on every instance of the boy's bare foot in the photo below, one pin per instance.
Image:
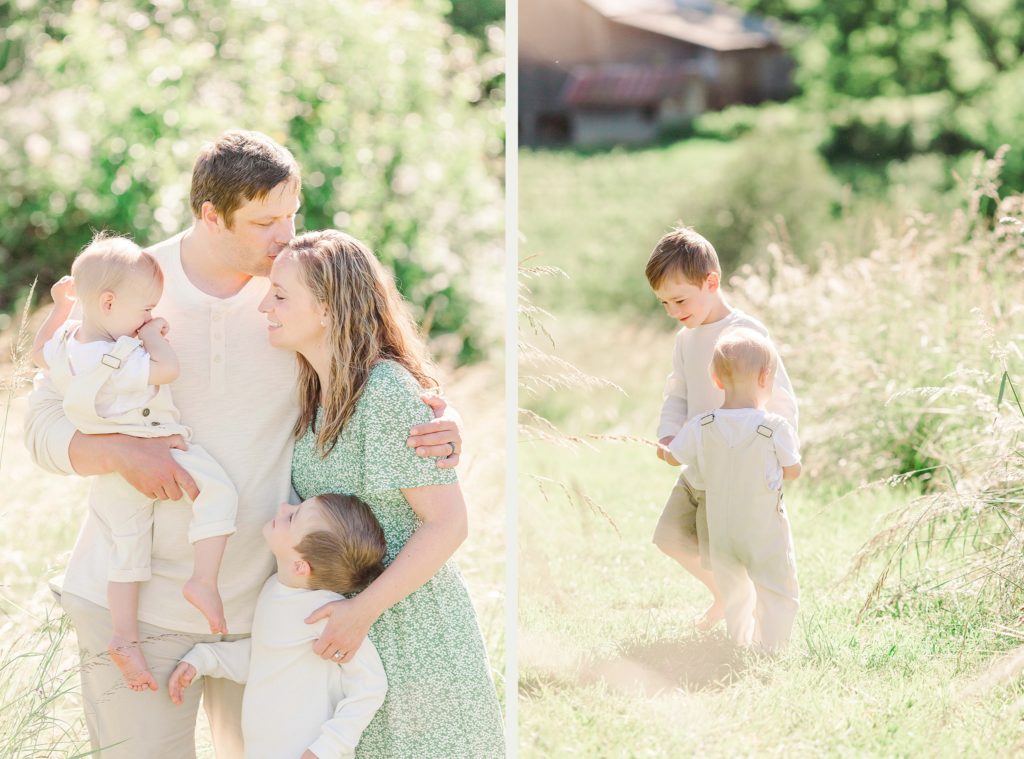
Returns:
(711, 617)
(127, 655)
(205, 597)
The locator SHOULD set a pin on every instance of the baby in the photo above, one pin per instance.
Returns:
(740, 454)
(295, 703)
(113, 368)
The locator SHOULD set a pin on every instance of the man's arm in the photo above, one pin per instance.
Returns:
(56, 446)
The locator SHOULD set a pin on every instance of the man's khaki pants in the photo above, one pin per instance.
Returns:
(124, 724)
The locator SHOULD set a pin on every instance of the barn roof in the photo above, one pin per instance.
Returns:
(713, 25)
(626, 84)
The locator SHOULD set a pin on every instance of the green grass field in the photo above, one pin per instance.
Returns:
(611, 665)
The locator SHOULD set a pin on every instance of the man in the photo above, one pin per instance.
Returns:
(238, 395)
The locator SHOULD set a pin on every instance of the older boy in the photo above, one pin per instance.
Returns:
(684, 272)
(297, 704)
(236, 392)
(740, 454)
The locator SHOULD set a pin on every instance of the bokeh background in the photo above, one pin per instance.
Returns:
(867, 213)
(395, 112)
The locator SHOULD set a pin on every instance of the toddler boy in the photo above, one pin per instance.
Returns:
(740, 454)
(295, 703)
(684, 272)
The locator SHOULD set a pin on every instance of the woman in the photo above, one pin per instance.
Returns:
(362, 368)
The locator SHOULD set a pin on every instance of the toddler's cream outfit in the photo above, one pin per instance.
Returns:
(736, 456)
(105, 388)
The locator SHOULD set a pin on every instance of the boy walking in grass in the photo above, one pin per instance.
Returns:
(739, 455)
(684, 272)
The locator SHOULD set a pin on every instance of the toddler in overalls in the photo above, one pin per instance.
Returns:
(113, 369)
(740, 454)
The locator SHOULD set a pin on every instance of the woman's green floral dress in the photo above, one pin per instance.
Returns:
(441, 702)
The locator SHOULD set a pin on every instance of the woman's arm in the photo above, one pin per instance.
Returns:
(444, 527)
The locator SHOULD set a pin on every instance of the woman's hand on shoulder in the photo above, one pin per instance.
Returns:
(441, 437)
(348, 622)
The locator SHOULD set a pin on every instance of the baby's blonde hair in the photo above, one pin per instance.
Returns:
(742, 354)
(108, 262)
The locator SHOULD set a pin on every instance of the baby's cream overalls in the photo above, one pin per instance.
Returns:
(125, 512)
(751, 545)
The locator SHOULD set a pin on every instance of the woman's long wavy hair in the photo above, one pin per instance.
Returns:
(368, 321)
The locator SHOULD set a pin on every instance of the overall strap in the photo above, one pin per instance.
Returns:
(82, 392)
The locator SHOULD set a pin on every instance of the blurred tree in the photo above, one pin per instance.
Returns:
(103, 106)
(474, 16)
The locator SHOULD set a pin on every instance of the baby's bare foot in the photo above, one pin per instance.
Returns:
(711, 617)
(127, 655)
(205, 597)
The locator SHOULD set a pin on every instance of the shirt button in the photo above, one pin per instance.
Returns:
(145, 412)
(216, 359)
(155, 424)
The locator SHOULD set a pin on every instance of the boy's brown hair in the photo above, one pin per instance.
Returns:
(743, 353)
(349, 554)
(238, 167)
(685, 252)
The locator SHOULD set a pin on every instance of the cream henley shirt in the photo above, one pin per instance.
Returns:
(238, 394)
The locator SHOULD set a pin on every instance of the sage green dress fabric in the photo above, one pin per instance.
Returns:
(441, 702)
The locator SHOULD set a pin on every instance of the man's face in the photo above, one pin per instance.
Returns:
(260, 228)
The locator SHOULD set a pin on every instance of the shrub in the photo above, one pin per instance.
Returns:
(104, 107)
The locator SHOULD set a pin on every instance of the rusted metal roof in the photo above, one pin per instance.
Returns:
(713, 25)
(626, 84)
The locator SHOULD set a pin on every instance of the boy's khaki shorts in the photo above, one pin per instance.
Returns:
(683, 526)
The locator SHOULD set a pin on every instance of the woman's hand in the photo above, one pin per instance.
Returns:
(440, 437)
(181, 678)
(348, 622)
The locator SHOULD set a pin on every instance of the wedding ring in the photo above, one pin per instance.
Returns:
(452, 446)
(337, 655)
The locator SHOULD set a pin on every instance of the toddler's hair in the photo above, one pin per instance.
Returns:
(349, 554)
(742, 354)
(238, 167)
(685, 252)
(108, 262)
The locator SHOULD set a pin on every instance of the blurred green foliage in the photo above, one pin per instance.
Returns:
(104, 105)
(884, 79)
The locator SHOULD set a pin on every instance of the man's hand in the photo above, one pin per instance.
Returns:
(181, 678)
(662, 445)
(441, 437)
(147, 465)
(348, 622)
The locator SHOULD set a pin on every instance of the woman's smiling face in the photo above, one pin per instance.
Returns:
(296, 320)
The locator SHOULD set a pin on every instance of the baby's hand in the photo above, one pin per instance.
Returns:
(63, 289)
(181, 678)
(153, 328)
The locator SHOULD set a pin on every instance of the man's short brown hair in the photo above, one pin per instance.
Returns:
(684, 252)
(349, 554)
(238, 167)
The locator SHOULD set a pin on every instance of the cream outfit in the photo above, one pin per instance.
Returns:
(89, 376)
(737, 455)
(689, 392)
(294, 700)
(238, 396)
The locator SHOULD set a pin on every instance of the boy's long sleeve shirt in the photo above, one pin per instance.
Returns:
(294, 700)
(689, 390)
